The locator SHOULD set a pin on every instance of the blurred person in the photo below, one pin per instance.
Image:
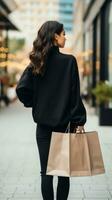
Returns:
(50, 86)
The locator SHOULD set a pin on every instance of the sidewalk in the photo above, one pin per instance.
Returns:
(19, 162)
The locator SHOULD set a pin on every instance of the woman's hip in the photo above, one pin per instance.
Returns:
(45, 132)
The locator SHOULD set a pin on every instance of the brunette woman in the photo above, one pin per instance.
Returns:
(50, 85)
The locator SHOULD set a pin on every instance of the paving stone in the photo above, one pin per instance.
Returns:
(96, 198)
(97, 194)
(20, 165)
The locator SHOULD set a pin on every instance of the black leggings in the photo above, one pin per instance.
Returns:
(43, 136)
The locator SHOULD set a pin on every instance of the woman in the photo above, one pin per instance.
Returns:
(50, 85)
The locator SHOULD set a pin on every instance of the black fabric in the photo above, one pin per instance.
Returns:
(55, 98)
(43, 138)
(24, 89)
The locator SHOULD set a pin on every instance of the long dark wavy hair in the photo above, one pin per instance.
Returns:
(42, 45)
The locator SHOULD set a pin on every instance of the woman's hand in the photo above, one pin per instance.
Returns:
(80, 129)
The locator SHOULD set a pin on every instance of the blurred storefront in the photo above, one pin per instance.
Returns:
(97, 21)
(93, 43)
(6, 7)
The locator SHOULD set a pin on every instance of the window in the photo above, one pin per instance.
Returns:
(97, 49)
(88, 53)
(88, 61)
(110, 44)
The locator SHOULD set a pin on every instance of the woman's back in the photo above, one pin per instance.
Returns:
(54, 90)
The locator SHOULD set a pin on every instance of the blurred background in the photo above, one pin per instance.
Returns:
(88, 27)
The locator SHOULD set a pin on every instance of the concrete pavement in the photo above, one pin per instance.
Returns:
(19, 162)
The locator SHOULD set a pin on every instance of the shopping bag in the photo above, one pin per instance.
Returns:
(85, 154)
(75, 154)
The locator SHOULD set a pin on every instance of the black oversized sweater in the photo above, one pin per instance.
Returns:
(55, 98)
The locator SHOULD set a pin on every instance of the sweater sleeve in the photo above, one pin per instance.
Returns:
(78, 111)
(24, 88)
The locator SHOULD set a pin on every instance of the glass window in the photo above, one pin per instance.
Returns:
(110, 45)
(88, 52)
(110, 48)
(98, 38)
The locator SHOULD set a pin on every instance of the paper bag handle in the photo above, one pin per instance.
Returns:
(68, 130)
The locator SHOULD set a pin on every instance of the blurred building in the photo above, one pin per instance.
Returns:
(6, 25)
(78, 34)
(92, 39)
(31, 14)
(97, 21)
(66, 16)
(6, 7)
(66, 12)
(78, 26)
(93, 43)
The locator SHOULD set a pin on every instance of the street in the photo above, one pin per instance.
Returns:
(19, 162)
